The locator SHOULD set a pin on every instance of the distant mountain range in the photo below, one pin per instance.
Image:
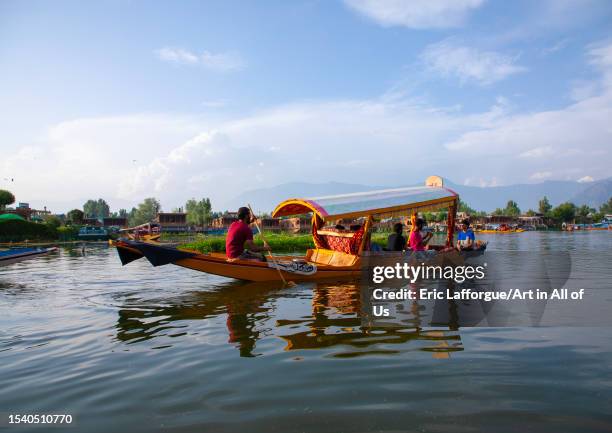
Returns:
(480, 198)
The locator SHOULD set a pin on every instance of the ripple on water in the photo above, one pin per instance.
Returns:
(144, 349)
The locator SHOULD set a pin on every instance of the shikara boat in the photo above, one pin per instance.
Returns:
(500, 229)
(337, 254)
(149, 232)
(15, 255)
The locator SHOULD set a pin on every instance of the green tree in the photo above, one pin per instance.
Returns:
(464, 207)
(565, 212)
(96, 208)
(530, 212)
(428, 217)
(583, 212)
(512, 209)
(145, 212)
(52, 221)
(122, 213)
(544, 206)
(75, 216)
(199, 213)
(606, 208)
(6, 198)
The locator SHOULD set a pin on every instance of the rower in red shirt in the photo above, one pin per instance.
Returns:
(239, 241)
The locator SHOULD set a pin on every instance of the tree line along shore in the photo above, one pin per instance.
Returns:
(199, 214)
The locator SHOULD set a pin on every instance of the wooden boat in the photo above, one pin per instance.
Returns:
(500, 229)
(15, 255)
(148, 232)
(336, 254)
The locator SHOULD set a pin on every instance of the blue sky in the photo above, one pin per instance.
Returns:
(124, 100)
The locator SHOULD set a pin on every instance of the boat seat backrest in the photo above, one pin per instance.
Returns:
(323, 256)
(341, 243)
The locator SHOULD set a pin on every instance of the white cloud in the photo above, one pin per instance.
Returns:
(217, 62)
(416, 14)
(375, 141)
(558, 46)
(479, 181)
(566, 140)
(586, 179)
(88, 157)
(541, 175)
(214, 103)
(537, 152)
(449, 58)
(582, 89)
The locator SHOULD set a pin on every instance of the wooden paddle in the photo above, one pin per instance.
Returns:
(285, 282)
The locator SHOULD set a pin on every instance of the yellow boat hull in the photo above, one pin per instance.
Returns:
(338, 266)
(317, 264)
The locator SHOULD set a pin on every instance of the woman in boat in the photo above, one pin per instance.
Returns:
(466, 239)
(396, 241)
(416, 241)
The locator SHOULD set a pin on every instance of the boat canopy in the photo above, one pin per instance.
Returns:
(381, 203)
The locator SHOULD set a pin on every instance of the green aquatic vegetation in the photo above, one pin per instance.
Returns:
(279, 242)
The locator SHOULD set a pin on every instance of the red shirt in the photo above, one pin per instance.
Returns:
(415, 242)
(237, 234)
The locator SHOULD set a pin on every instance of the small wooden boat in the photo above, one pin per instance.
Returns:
(499, 229)
(15, 255)
(337, 254)
(148, 232)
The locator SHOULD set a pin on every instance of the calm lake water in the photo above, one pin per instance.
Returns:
(145, 349)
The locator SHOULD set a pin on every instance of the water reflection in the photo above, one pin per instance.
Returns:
(244, 305)
(337, 320)
(341, 317)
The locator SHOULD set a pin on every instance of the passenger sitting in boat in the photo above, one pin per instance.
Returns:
(240, 236)
(396, 241)
(466, 240)
(416, 241)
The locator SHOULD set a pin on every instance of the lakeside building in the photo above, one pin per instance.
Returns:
(115, 222)
(293, 225)
(272, 224)
(172, 221)
(535, 221)
(224, 221)
(94, 222)
(26, 212)
(300, 224)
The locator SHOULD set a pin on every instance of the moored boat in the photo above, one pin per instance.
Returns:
(148, 232)
(499, 229)
(15, 255)
(337, 253)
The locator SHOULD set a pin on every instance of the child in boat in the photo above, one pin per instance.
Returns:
(416, 241)
(396, 241)
(239, 241)
(466, 240)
